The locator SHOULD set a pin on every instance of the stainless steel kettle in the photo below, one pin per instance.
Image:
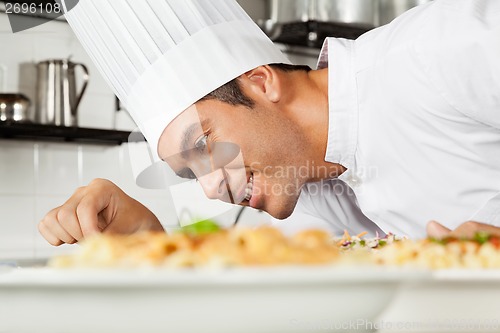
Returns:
(57, 100)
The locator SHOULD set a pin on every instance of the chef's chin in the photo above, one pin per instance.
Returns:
(282, 209)
(281, 215)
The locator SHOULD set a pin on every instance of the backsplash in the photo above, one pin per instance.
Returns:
(37, 176)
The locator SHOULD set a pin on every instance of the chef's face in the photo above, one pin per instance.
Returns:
(246, 156)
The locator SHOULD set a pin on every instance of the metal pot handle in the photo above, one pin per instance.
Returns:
(86, 77)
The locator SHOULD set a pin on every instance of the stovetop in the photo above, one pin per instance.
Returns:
(313, 33)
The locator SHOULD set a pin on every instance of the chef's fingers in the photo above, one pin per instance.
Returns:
(437, 230)
(58, 231)
(465, 230)
(45, 227)
(52, 231)
(88, 211)
(52, 224)
(48, 235)
(68, 220)
(470, 229)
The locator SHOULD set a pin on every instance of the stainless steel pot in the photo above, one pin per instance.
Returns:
(15, 108)
(286, 11)
(361, 12)
(390, 9)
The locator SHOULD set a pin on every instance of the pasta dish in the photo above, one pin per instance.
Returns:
(266, 246)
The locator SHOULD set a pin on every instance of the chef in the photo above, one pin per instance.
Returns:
(393, 130)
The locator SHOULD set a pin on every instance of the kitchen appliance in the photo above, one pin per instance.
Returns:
(313, 33)
(57, 97)
(15, 108)
(390, 9)
(358, 12)
(363, 12)
(309, 22)
(286, 11)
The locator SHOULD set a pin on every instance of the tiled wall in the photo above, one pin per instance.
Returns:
(36, 176)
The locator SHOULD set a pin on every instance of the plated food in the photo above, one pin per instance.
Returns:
(240, 247)
(481, 252)
(206, 245)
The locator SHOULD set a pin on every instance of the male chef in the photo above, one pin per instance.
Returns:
(395, 129)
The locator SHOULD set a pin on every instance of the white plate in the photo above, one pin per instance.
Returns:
(454, 300)
(283, 299)
(468, 275)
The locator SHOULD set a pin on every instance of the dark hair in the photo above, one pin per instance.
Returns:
(231, 92)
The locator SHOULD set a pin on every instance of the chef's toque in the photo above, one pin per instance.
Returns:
(162, 56)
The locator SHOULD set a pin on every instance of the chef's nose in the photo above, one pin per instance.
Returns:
(214, 184)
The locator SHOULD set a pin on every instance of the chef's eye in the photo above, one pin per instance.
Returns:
(186, 173)
(201, 143)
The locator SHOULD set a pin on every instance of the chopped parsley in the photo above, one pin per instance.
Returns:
(200, 228)
(482, 237)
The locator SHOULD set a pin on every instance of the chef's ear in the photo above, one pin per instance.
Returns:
(264, 81)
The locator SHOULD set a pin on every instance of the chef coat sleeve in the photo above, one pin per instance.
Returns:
(489, 213)
(460, 52)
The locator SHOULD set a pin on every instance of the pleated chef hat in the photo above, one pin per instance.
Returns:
(161, 56)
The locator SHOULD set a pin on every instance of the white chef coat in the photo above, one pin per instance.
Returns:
(415, 117)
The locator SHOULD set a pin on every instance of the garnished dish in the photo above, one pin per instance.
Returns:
(205, 244)
(263, 281)
(348, 242)
(482, 251)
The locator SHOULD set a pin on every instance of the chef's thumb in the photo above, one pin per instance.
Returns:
(437, 230)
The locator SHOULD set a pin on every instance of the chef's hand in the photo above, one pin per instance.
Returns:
(99, 207)
(466, 230)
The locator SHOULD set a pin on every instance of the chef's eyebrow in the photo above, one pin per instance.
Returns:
(187, 138)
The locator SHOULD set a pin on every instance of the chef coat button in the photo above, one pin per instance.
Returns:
(354, 181)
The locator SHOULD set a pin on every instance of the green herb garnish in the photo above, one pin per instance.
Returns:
(200, 228)
(482, 237)
(441, 241)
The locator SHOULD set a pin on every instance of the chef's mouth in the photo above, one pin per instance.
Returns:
(247, 192)
(249, 188)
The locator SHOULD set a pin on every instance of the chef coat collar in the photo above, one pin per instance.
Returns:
(338, 56)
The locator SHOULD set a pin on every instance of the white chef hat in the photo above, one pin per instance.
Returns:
(162, 56)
